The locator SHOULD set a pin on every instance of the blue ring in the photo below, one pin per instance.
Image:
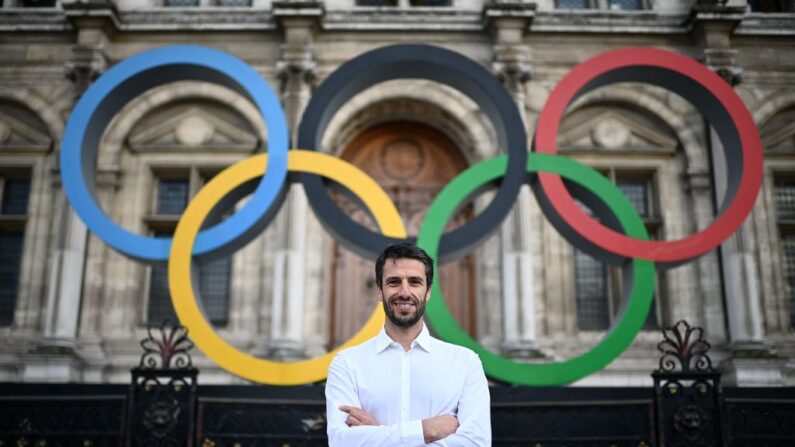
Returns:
(108, 94)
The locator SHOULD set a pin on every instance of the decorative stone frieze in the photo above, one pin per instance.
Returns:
(95, 22)
(712, 23)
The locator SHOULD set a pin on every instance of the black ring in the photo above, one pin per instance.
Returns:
(415, 62)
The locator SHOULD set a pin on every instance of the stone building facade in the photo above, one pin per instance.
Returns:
(72, 309)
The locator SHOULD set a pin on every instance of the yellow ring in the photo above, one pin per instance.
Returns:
(179, 265)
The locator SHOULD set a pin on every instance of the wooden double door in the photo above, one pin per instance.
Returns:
(412, 162)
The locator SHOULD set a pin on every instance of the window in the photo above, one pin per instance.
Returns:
(404, 3)
(38, 3)
(172, 193)
(172, 196)
(430, 2)
(626, 5)
(772, 5)
(234, 3)
(574, 4)
(14, 193)
(376, 2)
(613, 5)
(597, 286)
(590, 283)
(784, 196)
(181, 3)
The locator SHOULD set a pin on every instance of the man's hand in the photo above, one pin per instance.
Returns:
(439, 427)
(357, 416)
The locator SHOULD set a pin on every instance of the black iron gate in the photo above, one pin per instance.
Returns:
(164, 406)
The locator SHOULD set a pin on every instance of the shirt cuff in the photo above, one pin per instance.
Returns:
(411, 433)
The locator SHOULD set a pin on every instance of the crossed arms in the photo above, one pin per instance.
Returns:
(350, 426)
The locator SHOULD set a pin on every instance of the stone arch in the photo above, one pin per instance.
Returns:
(426, 102)
(40, 106)
(121, 125)
(772, 105)
(695, 155)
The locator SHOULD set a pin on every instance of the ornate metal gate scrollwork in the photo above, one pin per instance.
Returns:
(162, 398)
(688, 399)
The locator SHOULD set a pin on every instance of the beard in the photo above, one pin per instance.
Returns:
(404, 321)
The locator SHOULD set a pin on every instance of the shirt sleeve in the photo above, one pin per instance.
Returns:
(341, 390)
(474, 411)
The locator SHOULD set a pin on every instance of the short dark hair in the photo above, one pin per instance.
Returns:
(403, 250)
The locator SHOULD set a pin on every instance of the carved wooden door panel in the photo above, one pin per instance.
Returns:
(412, 162)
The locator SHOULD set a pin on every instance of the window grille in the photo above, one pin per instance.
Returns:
(10, 257)
(172, 196)
(784, 193)
(234, 3)
(430, 2)
(214, 279)
(772, 5)
(784, 197)
(788, 252)
(15, 196)
(376, 2)
(637, 191)
(626, 5)
(591, 292)
(160, 308)
(214, 282)
(38, 3)
(573, 4)
(596, 302)
(181, 3)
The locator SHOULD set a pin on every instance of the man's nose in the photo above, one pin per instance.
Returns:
(404, 287)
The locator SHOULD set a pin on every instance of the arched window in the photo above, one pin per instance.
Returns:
(179, 147)
(630, 147)
(778, 137)
(24, 140)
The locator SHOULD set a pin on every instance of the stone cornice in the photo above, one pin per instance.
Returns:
(608, 22)
(197, 19)
(441, 19)
(27, 19)
(758, 24)
(402, 19)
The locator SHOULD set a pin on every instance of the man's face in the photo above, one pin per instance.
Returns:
(404, 291)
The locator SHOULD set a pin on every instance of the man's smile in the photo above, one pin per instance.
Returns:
(403, 305)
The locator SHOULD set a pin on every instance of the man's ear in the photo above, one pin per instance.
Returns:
(380, 293)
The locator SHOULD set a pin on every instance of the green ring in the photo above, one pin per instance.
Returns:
(621, 333)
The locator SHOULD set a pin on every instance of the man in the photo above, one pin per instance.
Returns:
(404, 387)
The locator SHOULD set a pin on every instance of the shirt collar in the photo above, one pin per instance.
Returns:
(423, 340)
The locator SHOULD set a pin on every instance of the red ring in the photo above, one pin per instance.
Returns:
(660, 251)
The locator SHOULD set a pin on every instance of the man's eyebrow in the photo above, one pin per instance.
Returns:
(412, 278)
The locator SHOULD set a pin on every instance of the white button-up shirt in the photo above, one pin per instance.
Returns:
(401, 388)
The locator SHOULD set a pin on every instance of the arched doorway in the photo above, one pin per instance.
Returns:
(412, 162)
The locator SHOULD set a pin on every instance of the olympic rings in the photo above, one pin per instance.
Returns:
(708, 93)
(638, 293)
(712, 96)
(108, 94)
(418, 62)
(179, 265)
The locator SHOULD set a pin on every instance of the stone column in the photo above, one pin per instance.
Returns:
(750, 362)
(296, 70)
(507, 22)
(65, 276)
(57, 356)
